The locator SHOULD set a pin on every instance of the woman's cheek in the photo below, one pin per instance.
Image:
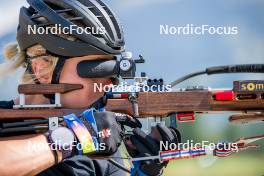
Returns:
(82, 98)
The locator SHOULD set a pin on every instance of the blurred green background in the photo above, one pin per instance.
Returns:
(215, 128)
(239, 165)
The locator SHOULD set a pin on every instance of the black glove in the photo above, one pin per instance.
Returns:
(110, 128)
(144, 145)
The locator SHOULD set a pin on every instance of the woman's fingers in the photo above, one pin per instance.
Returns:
(127, 120)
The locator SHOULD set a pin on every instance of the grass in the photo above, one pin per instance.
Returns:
(236, 165)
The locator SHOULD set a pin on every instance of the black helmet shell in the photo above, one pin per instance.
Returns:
(89, 13)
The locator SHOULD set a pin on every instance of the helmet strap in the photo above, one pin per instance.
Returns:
(57, 70)
(56, 77)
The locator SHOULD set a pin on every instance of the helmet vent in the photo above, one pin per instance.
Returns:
(102, 19)
(113, 18)
(75, 18)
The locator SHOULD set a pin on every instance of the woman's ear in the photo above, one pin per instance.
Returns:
(42, 71)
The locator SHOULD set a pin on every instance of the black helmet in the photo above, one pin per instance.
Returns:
(83, 13)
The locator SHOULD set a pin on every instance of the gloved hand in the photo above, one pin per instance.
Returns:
(142, 145)
(101, 132)
(110, 127)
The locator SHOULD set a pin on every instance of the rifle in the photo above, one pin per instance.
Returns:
(181, 105)
(245, 99)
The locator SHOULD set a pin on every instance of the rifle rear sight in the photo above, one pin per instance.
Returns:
(128, 65)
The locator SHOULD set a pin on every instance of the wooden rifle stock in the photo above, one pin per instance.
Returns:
(151, 104)
(164, 103)
(31, 89)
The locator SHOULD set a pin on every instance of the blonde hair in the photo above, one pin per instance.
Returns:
(15, 58)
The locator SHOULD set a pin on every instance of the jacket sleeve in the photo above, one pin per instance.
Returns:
(6, 104)
(136, 171)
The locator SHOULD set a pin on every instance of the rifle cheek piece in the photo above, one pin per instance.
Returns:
(97, 69)
(124, 68)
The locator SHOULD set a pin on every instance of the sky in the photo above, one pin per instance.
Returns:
(171, 56)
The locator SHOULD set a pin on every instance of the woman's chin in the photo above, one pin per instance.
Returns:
(76, 105)
(79, 103)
